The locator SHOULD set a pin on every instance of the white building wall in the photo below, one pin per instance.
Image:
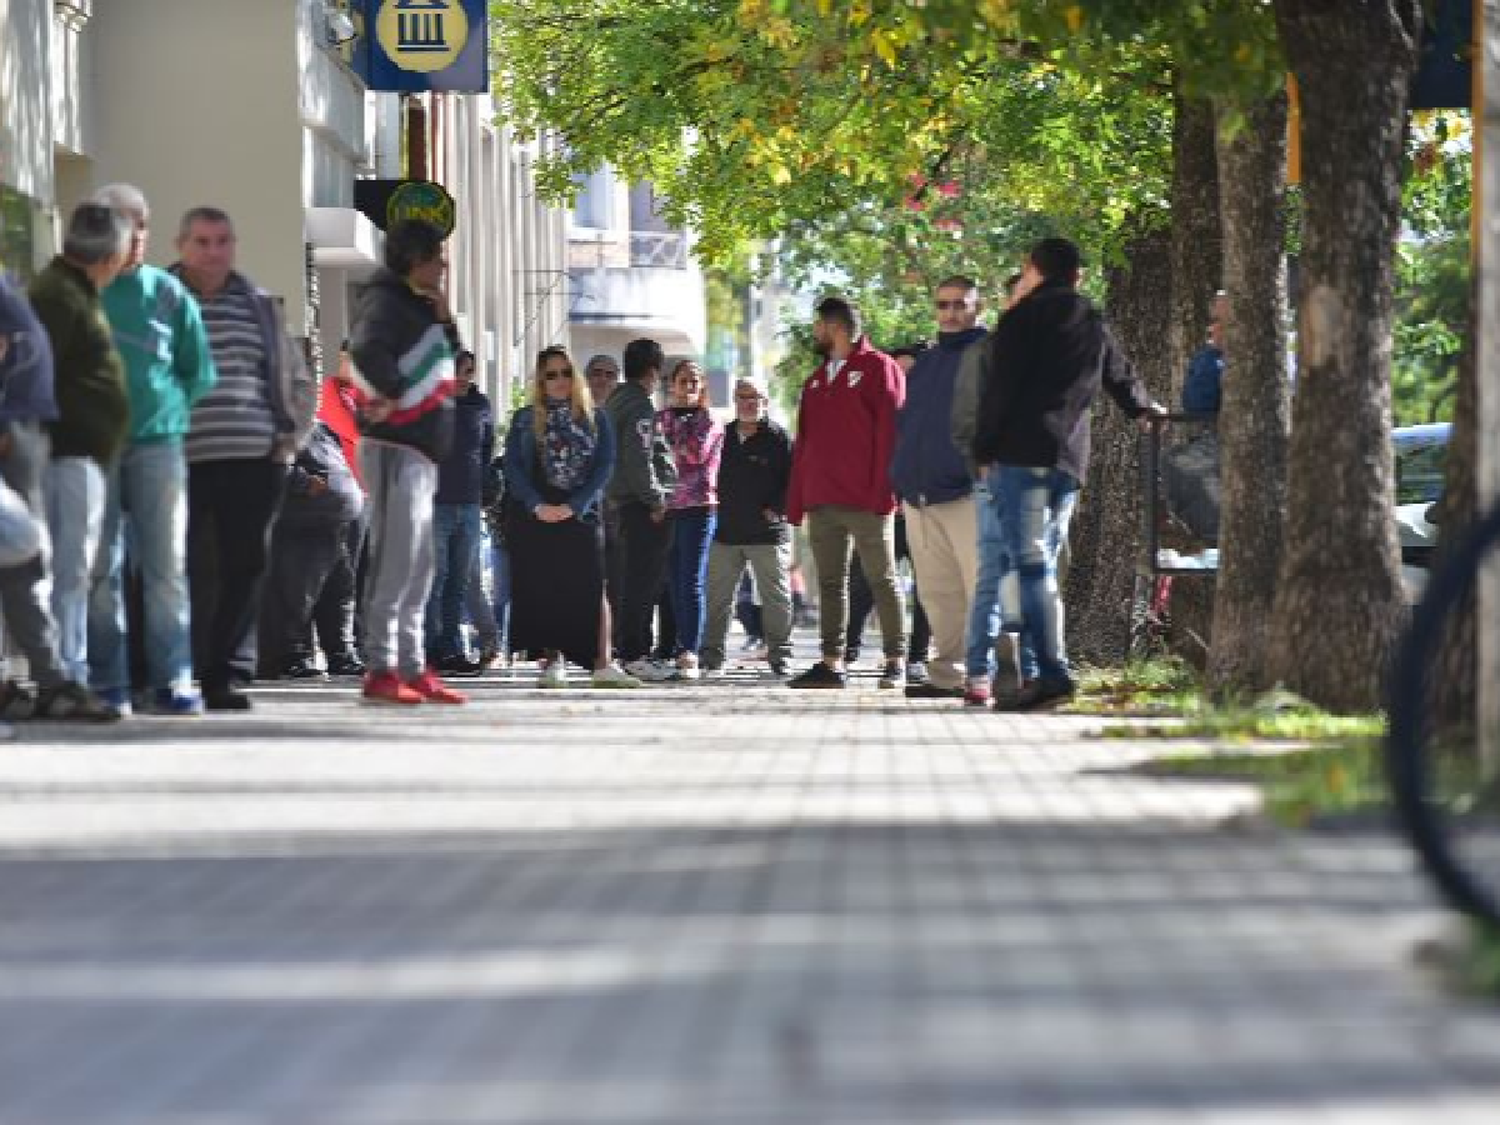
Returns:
(200, 103)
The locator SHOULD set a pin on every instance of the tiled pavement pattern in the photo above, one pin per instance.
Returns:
(691, 905)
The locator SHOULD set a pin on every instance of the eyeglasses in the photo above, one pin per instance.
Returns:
(558, 373)
(945, 305)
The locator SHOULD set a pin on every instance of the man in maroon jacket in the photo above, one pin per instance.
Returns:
(846, 433)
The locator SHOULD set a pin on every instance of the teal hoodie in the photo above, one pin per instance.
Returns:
(168, 364)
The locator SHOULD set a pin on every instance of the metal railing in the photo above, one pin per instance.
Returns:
(659, 249)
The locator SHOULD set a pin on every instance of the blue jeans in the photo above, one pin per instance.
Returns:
(487, 603)
(75, 491)
(687, 573)
(146, 500)
(455, 543)
(997, 592)
(1034, 507)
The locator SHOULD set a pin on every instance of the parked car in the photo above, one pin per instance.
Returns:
(1421, 462)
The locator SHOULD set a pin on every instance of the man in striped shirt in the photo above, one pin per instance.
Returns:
(245, 432)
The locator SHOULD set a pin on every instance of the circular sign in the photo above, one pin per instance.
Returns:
(422, 35)
(421, 199)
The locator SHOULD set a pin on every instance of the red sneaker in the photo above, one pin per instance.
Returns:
(428, 687)
(386, 687)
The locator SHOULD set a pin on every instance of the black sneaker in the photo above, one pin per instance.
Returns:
(460, 666)
(928, 690)
(225, 698)
(76, 703)
(345, 666)
(15, 701)
(1039, 695)
(820, 675)
(303, 670)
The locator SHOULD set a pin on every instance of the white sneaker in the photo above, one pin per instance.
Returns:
(555, 675)
(613, 676)
(650, 672)
(687, 666)
(893, 676)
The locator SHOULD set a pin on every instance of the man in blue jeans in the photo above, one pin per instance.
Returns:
(1046, 361)
(456, 523)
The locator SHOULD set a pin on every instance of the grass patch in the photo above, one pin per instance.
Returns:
(1249, 724)
(1164, 685)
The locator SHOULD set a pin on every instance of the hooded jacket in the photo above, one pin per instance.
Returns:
(926, 467)
(1047, 359)
(405, 355)
(846, 433)
(644, 472)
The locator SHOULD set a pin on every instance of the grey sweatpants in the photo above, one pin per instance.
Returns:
(26, 589)
(400, 484)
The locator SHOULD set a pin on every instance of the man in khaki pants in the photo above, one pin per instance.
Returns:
(936, 490)
(846, 431)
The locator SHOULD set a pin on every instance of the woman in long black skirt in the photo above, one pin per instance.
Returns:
(558, 456)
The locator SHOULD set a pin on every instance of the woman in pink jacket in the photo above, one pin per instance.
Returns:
(697, 442)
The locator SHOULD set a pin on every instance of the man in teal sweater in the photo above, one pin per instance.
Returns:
(159, 331)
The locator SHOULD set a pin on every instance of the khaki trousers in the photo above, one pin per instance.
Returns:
(942, 539)
(831, 532)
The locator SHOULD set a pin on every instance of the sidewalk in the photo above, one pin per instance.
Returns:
(691, 905)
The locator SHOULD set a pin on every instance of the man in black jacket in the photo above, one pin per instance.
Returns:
(1048, 357)
(752, 530)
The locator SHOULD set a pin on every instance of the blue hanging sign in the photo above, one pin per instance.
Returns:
(415, 46)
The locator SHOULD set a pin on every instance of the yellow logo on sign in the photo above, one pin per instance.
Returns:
(422, 35)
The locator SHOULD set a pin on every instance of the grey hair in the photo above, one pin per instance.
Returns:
(96, 233)
(126, 198)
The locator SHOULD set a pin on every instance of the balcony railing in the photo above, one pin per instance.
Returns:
(663, 250)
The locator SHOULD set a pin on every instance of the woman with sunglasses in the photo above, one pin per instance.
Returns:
(559, 453)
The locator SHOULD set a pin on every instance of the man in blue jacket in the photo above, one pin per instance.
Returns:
(936, 490)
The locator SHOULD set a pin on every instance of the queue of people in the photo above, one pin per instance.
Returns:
(183, 509)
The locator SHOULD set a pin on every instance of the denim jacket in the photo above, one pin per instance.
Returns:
(525, 489)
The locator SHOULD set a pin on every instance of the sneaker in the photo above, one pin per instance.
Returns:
(892, 676)
(820, 675)
(345, 666)
(1037, 695)
(226, 698)
(75, 702)
(555, 675)
(712, 671)
(386, 687)
(927, 690)
(179, 701)
(977, 692)
(303, 670)
(613, 676)
(851, 656)
(490, 657)
(15, 701)
(687, 666)
(916, 672)
(433, 690)
(1006, 691)
(650, 672)
(460, 666)
(777, 668)
(117, 700)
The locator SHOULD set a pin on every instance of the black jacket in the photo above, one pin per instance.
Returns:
(335, 504)
(1047, 359)
(461, 475)
(403, 353)
(753, 476)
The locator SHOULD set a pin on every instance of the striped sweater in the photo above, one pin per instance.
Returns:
(404, 355)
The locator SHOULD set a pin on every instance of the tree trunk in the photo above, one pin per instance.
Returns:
(1339, 603)
(1197, 274)
(1106, 538)
(1197, 236)
(1256, 412)
(1454, 676)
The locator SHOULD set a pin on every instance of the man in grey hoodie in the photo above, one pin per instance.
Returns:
(643, 479)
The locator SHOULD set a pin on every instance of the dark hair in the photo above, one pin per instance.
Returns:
(839, 311)
(959, 281)
(1057, 259)
(412, 243)
(465, 354)
(1011, 282)
(203, 214)
(642, 357)
(96, 234)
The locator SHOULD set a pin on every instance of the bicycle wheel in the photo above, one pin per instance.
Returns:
(1447, 804)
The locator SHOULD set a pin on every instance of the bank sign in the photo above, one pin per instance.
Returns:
(412, 46)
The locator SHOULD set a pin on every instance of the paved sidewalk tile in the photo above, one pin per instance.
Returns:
(716, 904)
